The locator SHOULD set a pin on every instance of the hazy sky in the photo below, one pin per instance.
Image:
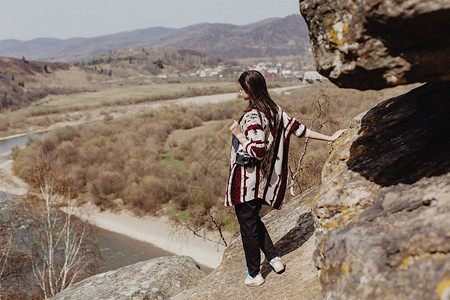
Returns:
(28, 19)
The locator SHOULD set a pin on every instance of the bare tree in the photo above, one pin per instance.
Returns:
(5, 247)
(322, 113)
(11, 260)
(205, 222)
(59, 259)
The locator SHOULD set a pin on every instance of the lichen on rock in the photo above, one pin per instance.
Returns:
(374, 44)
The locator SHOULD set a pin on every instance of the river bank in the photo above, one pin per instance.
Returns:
(156, 231)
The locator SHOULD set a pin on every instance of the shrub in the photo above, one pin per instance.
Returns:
(133, 158)
(186, 124)
(67, 152)
(154, 192)
(108, 185)
(4, 123)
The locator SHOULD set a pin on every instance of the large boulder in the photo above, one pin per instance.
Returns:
(382, 215)
(159, 278)
(373, 44)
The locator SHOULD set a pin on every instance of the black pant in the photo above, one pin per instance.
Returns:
(254, 235)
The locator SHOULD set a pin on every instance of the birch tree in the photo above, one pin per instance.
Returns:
(59, 257)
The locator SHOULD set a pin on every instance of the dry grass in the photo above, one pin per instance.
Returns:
(26, 81)
(130, 94)
(114, 100)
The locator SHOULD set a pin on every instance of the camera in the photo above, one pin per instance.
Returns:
(244, 159)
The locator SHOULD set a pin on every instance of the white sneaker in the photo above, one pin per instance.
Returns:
(277, 264)
(254, 281)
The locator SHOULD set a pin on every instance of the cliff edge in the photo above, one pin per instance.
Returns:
(382, 215)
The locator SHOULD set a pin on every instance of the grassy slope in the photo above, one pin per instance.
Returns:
(22, 81)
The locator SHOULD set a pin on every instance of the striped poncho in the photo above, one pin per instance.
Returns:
(267, 180)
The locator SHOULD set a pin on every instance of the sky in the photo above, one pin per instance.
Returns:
(28, 19)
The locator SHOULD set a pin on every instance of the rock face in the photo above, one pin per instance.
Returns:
(382, 215)
(292, 231)
(159, 278)
(373, 44)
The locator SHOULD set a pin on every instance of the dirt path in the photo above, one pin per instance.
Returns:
(9, 183)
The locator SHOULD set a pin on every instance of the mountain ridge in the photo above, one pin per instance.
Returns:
(219, 39)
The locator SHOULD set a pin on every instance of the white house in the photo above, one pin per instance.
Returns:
(311, 76)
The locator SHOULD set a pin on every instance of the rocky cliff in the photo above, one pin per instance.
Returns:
(382, 216)
(373, 44)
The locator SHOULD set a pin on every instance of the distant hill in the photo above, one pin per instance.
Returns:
(267, 38)
(270, 37)
(23, 81)
(77, 49)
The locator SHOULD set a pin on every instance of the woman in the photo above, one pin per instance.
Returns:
(259, 168)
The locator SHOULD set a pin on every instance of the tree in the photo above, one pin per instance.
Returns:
(58, 257)
(323, 106)
(200, 222)
(5, 248)
(159, 63)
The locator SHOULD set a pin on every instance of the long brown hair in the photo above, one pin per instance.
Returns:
(254, 84)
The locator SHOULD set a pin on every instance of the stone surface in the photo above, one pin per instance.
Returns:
(373, 44)
(158, 278)
(292, 231)
(382, 215)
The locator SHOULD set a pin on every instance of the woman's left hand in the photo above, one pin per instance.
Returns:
(235, 129)
(337, 134)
